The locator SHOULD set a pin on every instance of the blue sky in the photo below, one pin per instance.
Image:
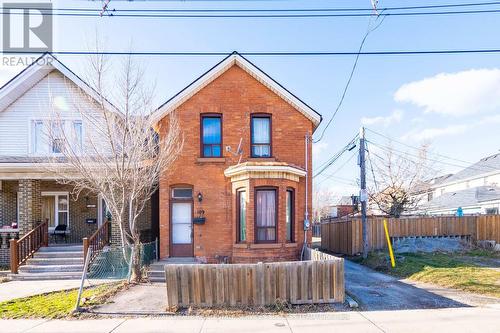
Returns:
(451, 101)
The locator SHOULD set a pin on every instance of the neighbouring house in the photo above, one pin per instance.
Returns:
(29, 192)
(474, 190)
(241, 187)
(240, 191)
(347, 205)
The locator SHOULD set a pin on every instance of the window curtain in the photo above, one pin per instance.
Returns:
(266, 215)
(261, 131)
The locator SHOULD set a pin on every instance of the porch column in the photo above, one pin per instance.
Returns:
(30, 205)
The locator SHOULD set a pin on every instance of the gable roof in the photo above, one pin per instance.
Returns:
(487, 165)
(236, 59)
(37, 70)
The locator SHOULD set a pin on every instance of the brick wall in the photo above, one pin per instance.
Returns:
(30, 205)
(236, 95)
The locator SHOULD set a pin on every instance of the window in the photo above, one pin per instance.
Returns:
(290, 211)
(211, 136)
(241, 216)
(49, 136)
(182, 193)
(38, 146)
(265, 215)
(78, 133)
(261, 135)
(493, 210)
(56, 137)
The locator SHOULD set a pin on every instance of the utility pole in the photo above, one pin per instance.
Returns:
(363, 196)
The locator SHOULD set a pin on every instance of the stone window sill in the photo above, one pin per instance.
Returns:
(290, 244)
(262, 159)
(211, 160)
(266, 246)
(240, 245)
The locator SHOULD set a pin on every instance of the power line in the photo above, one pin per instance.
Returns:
(392, 150)
(351, 74)
(270, 10)
(267, 54)
(332, 175)
(336, 156)
(467, 163)
(263, 16)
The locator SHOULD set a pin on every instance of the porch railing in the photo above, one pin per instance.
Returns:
(97, 240)
(23, 248)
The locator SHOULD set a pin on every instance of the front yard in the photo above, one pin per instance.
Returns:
(59, 304)
(475, 271)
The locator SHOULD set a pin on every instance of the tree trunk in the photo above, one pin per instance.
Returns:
(136, 272)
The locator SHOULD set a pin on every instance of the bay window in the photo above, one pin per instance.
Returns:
(266, 209)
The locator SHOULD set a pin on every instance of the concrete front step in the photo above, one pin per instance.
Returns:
(64, 254)
(54, 261)
(50, 268)
(62, 248)
(46, 276)
(156, 271)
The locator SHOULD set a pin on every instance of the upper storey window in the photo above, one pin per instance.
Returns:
(49, 136)
(211, 136)
(261, 135)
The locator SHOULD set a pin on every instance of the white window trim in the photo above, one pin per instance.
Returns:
(31, 138)
(56, 203)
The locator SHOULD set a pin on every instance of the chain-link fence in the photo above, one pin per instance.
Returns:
(115, 264)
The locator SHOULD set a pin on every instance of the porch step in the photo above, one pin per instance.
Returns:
(156, 272)
(50, 268)
(64, 254)
(46, 276)
(61, 248)
(60, 262)
(55, 261)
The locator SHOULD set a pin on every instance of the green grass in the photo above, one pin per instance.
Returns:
(444, 269)
(59, 304)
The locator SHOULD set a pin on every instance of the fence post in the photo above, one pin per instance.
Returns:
(14, 257)
(84, 276)
(85, 247)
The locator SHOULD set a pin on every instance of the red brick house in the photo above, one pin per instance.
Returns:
(221, 203)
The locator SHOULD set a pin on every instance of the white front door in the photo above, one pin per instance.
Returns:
(182, 225)
(55, 208)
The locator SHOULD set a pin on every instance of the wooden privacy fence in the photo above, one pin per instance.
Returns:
(345, 236)
(299, 282)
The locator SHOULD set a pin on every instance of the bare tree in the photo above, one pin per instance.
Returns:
(123, 154)
(398, 179)
(322, 201)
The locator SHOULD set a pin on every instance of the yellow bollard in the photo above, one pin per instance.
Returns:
(391, 254)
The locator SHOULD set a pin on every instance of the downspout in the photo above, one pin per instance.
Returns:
(306, 213)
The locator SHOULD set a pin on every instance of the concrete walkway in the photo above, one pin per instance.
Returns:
(18, 289)
(438, 320)
(377, 291)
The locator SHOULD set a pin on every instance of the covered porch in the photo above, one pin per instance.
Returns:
(26, 203)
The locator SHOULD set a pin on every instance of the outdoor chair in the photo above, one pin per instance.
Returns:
(60, 232)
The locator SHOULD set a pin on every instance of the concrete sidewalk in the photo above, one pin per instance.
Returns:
(18, 289)
(445, 320)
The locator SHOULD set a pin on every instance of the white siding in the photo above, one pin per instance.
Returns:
(53, 93)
